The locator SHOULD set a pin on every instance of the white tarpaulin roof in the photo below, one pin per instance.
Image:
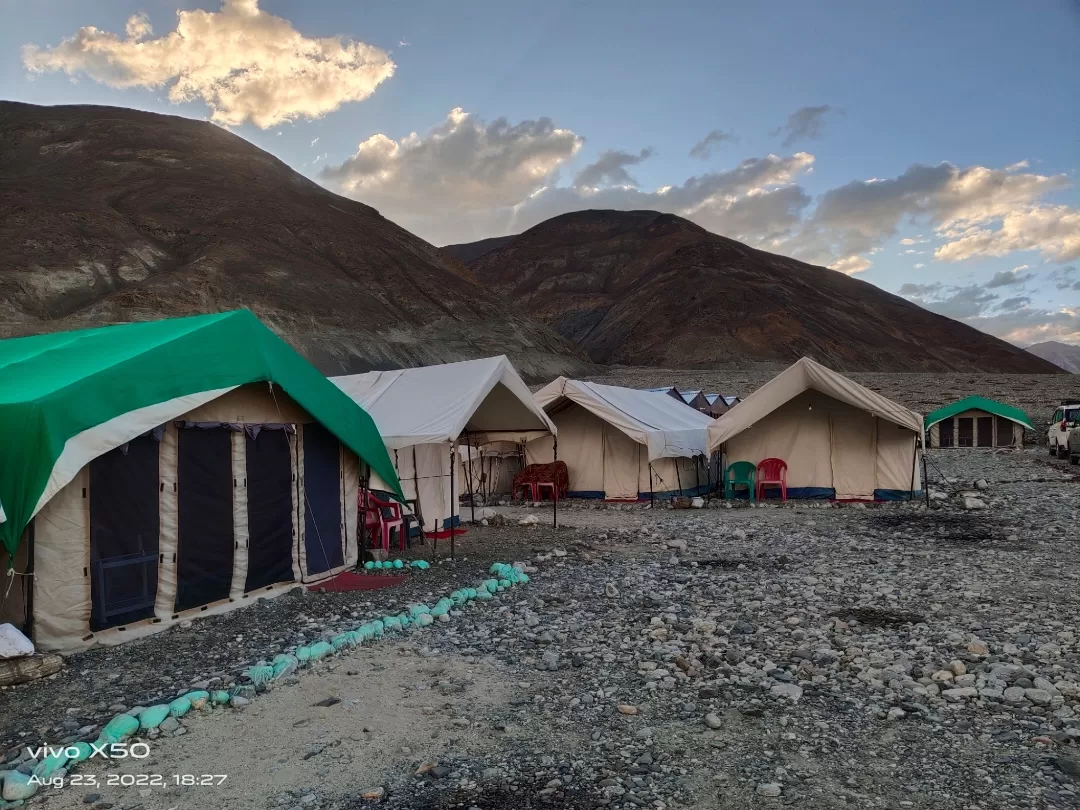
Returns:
(435, 404)
(660, 422)
(803, 376)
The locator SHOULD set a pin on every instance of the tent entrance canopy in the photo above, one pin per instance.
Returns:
(839, 439)
(422, 414)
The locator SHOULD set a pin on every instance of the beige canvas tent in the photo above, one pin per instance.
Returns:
(424, 413)
(839, 439)
(182, 487)
(624, 443)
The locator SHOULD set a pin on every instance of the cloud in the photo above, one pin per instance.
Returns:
(919, 265)
(1063, 278)
(1012, 319)
(918, 240)
(461, 164)
(314, 141)
(851, 265)
(1010, 278)
(1053, 231)
(610, 167)
(806, 123)
(243, 63)
(703, 148)
(1015, 167)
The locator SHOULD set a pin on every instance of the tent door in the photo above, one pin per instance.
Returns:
(124, 534)
(269, 507)
(945, 433)
(854, 454)
(322, 513)
(205, 540)
(985, 426)
(966, 430)
(1004, 432)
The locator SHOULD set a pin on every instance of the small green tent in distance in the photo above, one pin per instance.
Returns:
(976, 422)
(57, 386)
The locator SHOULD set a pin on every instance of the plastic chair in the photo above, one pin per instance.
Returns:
(737, 474)
(540, 486)
(376, 518)
(529, 487)
(772, 472)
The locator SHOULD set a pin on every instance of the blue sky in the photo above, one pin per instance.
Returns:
(991, 88)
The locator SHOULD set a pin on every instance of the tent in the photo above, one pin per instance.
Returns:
(423, 412)
(839, 439)
(152, 471)
(696, 400)
(977, 422)
(624, 443)
(718, 404)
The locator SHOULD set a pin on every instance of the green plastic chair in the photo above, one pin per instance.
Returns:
(740, 473)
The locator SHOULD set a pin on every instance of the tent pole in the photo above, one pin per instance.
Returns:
(678, 477)
(650, 486)
(914, 461)
(453, 447)
(28, 624)
(555, 503)
(361, 530)
(472, 494)
(926, 488)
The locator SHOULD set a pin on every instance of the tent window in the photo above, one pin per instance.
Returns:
(124, 534)
(204, 562)
(945, 433)
(322, 512)
(985, 431)
(269, 505)
(966, 429)
(1004, 432)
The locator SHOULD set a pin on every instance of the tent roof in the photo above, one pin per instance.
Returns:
(435, 404)
(688, 396)
(979, 404)
(805, 375)
(666, 426)
(57, 386)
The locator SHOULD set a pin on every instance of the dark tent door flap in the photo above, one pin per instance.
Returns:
(985, 431)
(945, 433)
(1004, 432)
(124, 534)
(966, 429)
(269, 509)
(322, 507)
(205, 544)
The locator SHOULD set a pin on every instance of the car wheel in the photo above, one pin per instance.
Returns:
(1053, 450)
(1062, 452)
(1074, 459)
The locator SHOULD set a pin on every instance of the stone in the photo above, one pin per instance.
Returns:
(957, 667)
(529, 520)
(697, 503)
(713, 721)
(770, 789)
(790, 691)
(971, 503)
(238, 702)
(90, 798)
(982, 483)
(960, 694)
(1040, 697)
(896, 713)
(610, 590)
(373, 794)
(627, 709)
(169, 725)
(1015, 694)
(978, 648)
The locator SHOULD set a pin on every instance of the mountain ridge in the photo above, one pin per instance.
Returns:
(647, 288)
(112, 215)
(1064, 355)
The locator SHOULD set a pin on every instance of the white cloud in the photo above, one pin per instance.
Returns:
(919, 265)
(851, 265)
(314, 141)
(806, 123)
(1015, 167)
(703, 148)
(1053, 231)
(243, 63)
(1010, 278)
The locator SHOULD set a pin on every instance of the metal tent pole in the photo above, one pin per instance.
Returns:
(650, 486)
(555, 473)
(472, 494)
(453, 503)
(925, 486)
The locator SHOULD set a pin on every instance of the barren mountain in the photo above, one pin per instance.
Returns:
(648, 289)
(1062, 355)
(109, 215)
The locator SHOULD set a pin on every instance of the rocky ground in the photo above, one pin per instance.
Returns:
(815, 656)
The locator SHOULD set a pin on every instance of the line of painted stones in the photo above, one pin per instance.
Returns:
(17, 787)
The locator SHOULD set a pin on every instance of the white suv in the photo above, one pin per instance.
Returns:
(1057, 435)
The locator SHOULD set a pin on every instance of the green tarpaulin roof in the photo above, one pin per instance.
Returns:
(979, 404)
(53, 387)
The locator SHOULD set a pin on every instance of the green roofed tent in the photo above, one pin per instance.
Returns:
(53, 387)
(976, 422)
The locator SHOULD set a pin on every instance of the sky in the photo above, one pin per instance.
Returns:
(931, 149)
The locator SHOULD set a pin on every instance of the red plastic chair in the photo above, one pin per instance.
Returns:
(772, 472)
(378, 522)
(540, 486)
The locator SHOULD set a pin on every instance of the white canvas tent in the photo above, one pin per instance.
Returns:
(623, 443)
(838, 438)
(422, 413)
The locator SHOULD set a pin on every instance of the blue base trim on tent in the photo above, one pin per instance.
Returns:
(689, 492)
(897, 495)
(793, 493)
(453, 522)
(587, 494)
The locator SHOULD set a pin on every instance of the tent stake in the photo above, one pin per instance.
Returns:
(555, 504)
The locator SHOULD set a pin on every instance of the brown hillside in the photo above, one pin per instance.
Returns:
(649, 289)
(109, 215)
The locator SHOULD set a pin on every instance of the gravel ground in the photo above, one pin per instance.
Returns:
(816, 656)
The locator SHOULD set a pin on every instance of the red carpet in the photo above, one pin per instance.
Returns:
(353, 581)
